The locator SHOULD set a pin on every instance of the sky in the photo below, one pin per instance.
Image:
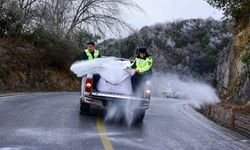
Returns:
(160, 11)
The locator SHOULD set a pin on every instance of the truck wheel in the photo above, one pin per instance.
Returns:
(140, 116)
(84, 108)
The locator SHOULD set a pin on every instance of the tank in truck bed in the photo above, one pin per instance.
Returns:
(117, 95)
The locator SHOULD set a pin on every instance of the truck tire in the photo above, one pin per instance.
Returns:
(84, 108)
(140, 116)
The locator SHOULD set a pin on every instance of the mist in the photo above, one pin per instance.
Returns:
(196, 93)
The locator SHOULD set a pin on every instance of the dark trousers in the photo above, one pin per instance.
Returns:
(139, 80)
(96, 78)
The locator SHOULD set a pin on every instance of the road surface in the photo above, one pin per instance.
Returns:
(50, 121)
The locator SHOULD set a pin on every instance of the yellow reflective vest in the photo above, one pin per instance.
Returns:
(90, 57)
(144, 65)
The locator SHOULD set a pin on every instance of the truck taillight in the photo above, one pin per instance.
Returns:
(89, 83)
(147, 90)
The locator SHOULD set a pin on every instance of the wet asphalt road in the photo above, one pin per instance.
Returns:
(51, 121)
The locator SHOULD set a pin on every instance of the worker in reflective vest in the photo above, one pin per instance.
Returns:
(143, 69)
(89, 54)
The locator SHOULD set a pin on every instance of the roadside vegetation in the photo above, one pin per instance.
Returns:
(49, 35)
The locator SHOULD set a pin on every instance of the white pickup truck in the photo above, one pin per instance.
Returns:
(114, 95)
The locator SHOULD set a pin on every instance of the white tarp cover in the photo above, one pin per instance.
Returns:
(110, 69)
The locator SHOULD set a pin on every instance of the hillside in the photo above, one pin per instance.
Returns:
(24, 67)
(187, 47)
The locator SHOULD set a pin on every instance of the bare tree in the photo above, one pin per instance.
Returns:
(52, 15)
(99, 15)
(16, 14)
(65, 17)
(25, 12)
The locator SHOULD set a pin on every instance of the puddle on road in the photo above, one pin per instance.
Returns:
(131, 142)
(245, 141)
(58, 136)
(12, 148)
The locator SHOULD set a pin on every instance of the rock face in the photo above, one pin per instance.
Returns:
(233, 72)
(186, 47)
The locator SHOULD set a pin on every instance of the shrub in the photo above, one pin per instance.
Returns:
(57, 51)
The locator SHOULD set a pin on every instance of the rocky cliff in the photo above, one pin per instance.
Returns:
(233, 69)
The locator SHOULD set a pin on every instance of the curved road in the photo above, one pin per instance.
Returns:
(51, 121)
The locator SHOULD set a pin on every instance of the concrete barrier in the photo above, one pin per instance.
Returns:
(229, 117)
(242, 123)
